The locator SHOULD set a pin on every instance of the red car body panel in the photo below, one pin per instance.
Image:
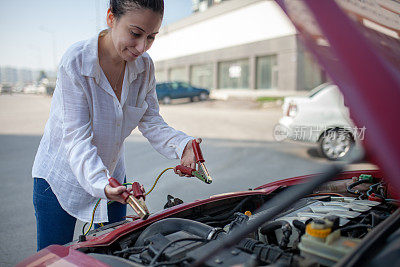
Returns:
(304, 178)
(57, 255)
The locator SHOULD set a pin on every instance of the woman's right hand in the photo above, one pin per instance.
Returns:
(114, 193)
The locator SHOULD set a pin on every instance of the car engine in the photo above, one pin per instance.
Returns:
(318, 230)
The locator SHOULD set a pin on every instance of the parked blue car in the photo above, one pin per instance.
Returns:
(167, 91)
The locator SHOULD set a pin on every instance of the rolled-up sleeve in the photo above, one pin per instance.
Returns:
(165, 139)
(82, 155)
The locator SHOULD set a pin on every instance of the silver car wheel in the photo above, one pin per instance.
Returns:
(166, 100)
(335, 144)
(203, 96)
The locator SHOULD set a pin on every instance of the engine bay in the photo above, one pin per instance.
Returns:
(318, 230)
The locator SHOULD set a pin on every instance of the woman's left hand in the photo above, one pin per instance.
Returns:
(188, 159)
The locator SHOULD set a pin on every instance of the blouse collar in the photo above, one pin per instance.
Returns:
(91, 65)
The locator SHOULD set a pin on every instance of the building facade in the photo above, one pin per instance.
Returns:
(235, 44)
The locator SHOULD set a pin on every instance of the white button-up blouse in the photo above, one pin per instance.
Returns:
(82, 144)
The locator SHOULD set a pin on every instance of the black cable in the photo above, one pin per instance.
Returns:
(372, 188)
(275, 206)
(83, 228)
(153, 261)
(351, 186)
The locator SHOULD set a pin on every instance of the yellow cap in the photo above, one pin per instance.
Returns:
(321, 233)
(247, 212)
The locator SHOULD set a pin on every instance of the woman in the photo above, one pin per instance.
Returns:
(105, 88)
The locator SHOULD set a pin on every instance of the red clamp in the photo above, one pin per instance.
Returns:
(138, 191)
(114, 183)
(136, 201)
(185, 170)
(197, 152)
(201, 173)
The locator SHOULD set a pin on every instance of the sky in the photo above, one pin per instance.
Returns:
(35, 34)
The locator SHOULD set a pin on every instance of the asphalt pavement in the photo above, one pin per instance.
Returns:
(238, 147)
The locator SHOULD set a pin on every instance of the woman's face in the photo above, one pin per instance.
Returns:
(134, 32)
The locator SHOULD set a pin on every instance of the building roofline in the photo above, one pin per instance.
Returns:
(213, 11)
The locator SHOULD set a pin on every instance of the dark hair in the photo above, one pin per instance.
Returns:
(120, 7)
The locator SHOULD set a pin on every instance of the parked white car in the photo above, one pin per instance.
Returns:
(320, 117)
(34, 89)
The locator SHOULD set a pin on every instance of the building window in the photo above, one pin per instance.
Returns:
(202, 76)
(234, 74)
(178, 74)
(310, 74)
(313, 75)
(267, 72)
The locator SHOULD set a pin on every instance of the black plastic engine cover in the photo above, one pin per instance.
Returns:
(175, 251)
(229, 257)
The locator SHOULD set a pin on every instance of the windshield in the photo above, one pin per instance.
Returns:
(317, 89)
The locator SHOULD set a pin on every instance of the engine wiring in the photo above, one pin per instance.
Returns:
(84, 233)
(376, 190)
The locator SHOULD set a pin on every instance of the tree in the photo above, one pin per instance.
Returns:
(42, 75)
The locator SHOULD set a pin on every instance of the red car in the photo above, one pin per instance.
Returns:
(202, 225)
(333, 218)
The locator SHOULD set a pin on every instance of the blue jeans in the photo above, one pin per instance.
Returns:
(54, 225)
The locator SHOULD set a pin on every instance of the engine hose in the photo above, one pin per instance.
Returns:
(300, 226)
(286, 231)
(172, 225)
(272, 226)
